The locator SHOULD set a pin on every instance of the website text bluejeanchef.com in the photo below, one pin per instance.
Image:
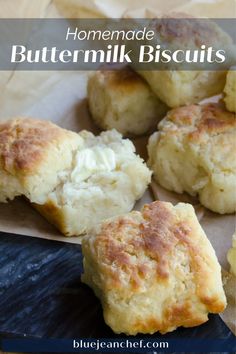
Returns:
(99, 344)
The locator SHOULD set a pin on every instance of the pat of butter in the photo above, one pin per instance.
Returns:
(92, 160)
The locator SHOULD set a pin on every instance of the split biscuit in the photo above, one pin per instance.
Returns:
(74, 180)
(105, 179)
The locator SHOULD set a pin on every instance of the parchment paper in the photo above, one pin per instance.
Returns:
(61, 97)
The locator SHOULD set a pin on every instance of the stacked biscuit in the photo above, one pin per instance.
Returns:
(155, 270)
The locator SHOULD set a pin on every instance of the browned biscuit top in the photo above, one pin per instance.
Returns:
(153, 270)
(208, 118)
(179, 28)
(128, 248)
(23, 141)
(122, 78)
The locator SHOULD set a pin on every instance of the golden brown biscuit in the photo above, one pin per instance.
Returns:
(194, 151)
(182, 87)
(121, 99)
(153, 271)
(32, 153)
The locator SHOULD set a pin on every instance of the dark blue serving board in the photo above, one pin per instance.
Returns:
(41, 295)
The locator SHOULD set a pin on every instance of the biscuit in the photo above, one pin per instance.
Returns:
(182, 87)
(153, 270)
(121, 99)
(32, 153)
(231, 256)
(105, 179)
(194, 151)
(179, 88)
(230, 91)
(74, 180)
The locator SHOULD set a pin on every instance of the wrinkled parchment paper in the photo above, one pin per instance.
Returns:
(61, 97)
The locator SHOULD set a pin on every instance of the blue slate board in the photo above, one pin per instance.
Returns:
(41, 294)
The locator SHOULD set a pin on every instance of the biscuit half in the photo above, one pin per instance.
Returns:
(122, 100)
(194, 151)
(32, 154)
(105, 179)
(153, 270)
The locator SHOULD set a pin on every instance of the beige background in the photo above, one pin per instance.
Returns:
(61, 97)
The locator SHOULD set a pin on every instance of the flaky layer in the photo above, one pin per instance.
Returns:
(154, 270)
(105, 179)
